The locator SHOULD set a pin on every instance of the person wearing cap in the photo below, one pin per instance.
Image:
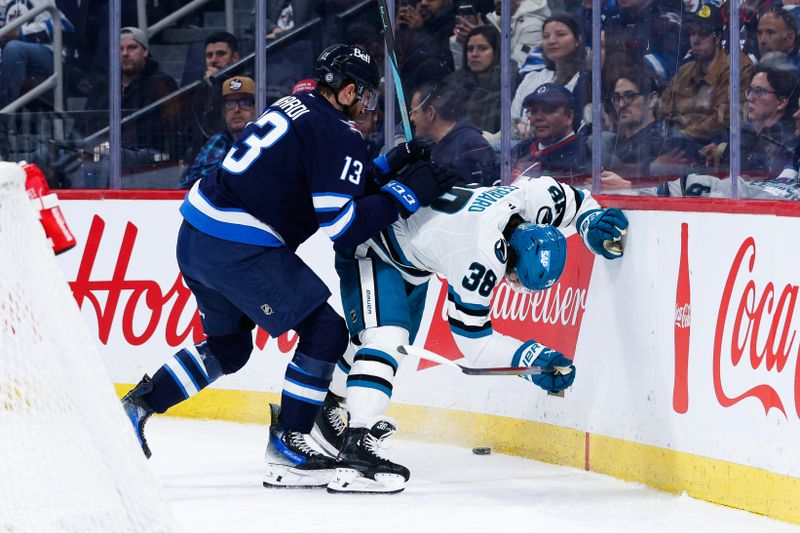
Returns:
(27, 51)
(554, 149)
(238, 108)
(695, 103)
(143, 83)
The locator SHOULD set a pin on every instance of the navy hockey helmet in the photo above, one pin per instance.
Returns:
(541, 253)
(341, 63)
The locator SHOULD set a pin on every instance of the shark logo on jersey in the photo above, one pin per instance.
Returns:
(544, 216)
(501, 250)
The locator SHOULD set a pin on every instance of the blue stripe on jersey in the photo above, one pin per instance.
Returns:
(341, 223)
(329, 201)
(465, 330)
(302, 398)
(306, 385)
(177, 381)
(369, 385)
(228, 224)
(451, 294)
(304, 379)
(195, 372)
(383, 357)
(485, 332)
(397, 257)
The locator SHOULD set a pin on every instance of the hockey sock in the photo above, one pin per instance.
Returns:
(339, 382)
(371, 379)
(305, 385)
(188, 372)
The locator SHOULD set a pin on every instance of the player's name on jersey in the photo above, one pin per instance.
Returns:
(490, 197)
(291, 107)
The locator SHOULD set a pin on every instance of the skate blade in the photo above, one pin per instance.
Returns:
(349, 481)
(323, 443)
(289, 477)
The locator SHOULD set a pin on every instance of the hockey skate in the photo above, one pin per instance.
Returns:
(360, 467)
(328, 430)
(291, 461)
(138, 410)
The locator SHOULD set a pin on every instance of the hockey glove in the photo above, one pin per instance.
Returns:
(559, 370)
(602, 231)
(419, 185)
(401, 155)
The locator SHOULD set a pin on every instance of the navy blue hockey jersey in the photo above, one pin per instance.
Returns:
(301, 166)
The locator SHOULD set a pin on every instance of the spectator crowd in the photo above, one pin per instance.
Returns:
(664, 87)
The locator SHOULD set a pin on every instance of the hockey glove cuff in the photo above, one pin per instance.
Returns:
(602, 231)
(559, 370)
(404, 196)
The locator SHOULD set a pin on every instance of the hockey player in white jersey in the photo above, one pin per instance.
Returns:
(474, 237)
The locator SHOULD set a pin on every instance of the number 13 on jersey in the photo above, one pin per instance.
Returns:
(272, 126)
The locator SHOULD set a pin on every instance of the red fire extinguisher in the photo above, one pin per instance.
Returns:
(46, 203)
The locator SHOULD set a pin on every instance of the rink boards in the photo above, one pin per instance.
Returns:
(699, 395)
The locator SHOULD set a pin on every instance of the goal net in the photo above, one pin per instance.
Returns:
(69, 461)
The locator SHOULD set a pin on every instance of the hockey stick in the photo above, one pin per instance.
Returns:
(422, 353)
(388, 35)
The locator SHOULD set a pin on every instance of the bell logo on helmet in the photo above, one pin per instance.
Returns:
(361, 55)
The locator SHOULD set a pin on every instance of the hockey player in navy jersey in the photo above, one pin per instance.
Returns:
(301, 166)
(474, 238)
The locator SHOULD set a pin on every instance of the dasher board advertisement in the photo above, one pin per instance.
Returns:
(688, 343)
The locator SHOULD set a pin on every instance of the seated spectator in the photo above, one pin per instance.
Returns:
(221, 51)
(27, 50)
(459, 145)
(527, 18)
(564, 56)
(142, 84)
(424, 30)
(695, 103)
(777, 36)
(480, 78)
(641, 147)
(238, 108)
(554, 149)
(767, 137)
(784, 186)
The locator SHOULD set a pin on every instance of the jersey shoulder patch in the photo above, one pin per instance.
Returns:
(501, 250)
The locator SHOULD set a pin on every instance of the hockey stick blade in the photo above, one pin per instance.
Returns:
(422, 353)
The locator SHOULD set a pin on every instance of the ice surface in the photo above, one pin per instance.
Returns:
(211, 475)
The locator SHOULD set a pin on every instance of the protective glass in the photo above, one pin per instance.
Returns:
(370, 99)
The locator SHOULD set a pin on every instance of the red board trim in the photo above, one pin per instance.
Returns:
(785, 208)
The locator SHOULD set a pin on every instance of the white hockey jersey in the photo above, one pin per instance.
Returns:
(461, 238)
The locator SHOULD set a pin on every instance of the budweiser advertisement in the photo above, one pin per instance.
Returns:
(689, 342)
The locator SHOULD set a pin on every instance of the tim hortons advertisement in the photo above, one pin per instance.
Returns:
(688, 342)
